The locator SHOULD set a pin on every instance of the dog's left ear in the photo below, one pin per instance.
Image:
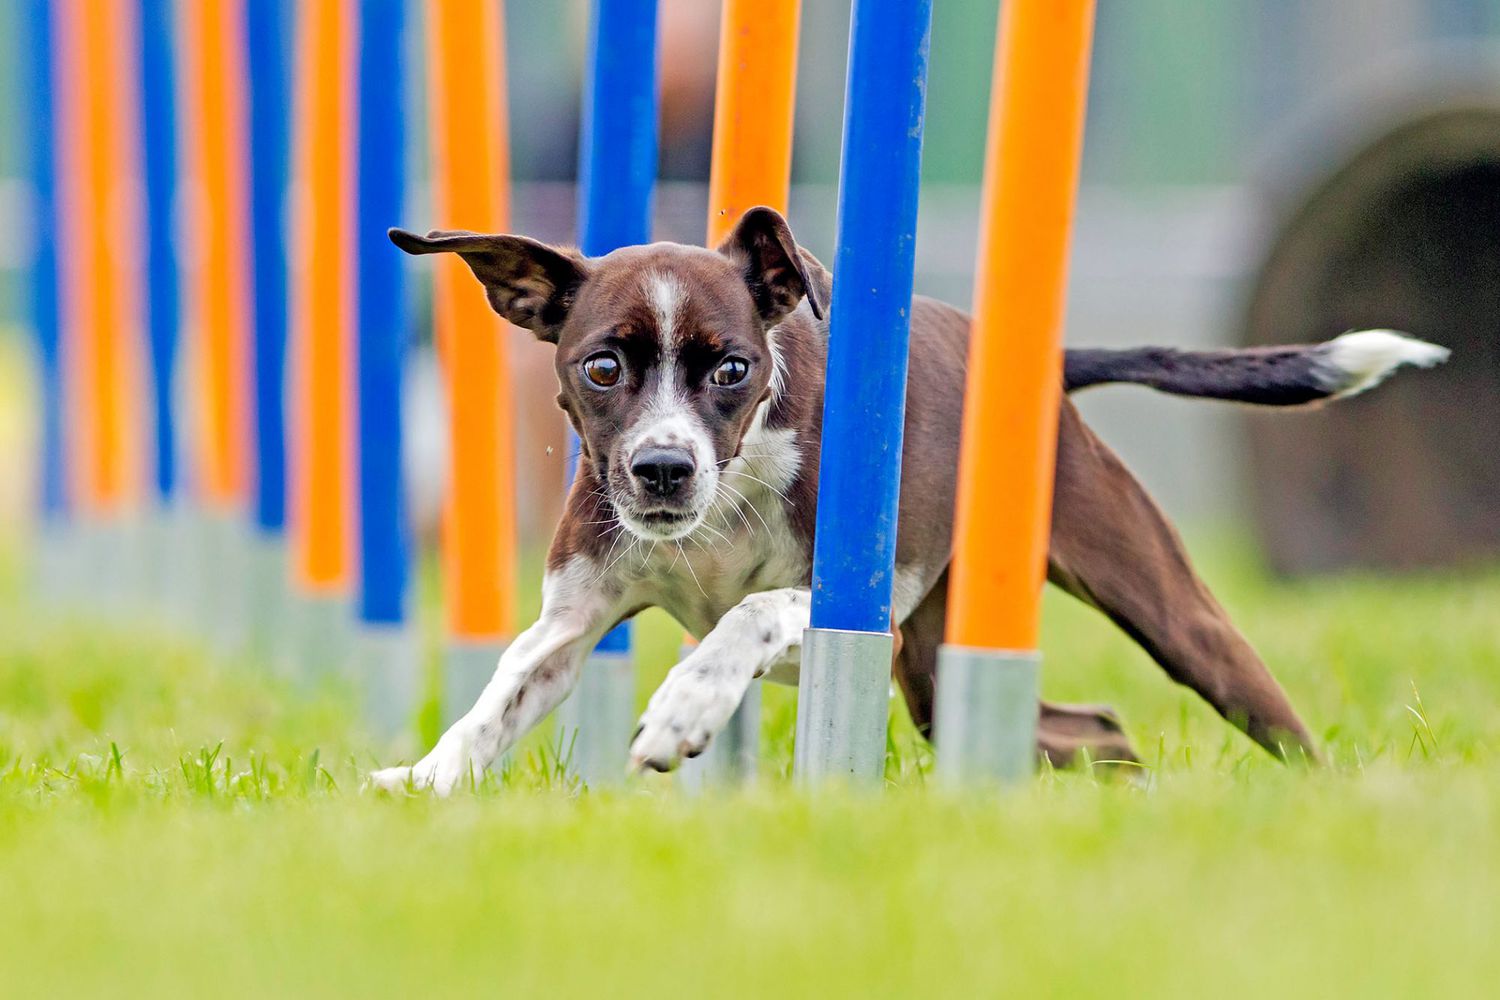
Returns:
(776, 270)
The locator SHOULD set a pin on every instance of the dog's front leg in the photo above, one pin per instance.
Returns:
(762, 632)
(534, 675)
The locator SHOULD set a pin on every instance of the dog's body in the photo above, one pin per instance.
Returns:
(695, 381)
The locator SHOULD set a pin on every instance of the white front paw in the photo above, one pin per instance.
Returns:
(447, 767)
(692, 705)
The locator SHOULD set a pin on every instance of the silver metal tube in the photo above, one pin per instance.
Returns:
(323, 628)
(595, 724)
(843, 705)
(386, 671)
(985, 717)
(269, 603)
(222, 565)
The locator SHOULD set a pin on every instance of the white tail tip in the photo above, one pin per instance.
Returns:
(1362, 360)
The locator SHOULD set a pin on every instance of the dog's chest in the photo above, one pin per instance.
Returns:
(716, 569)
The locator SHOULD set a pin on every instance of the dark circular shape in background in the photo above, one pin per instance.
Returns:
(1405, 235)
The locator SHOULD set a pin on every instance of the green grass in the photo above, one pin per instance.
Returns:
(175, 824)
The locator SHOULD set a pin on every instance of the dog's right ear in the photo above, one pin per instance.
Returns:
(531, 284)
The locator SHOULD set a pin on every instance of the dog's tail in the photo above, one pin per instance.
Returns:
(1293, 375)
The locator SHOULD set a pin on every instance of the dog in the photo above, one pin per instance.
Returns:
(694, 380)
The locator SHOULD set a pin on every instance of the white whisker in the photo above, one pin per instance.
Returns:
(731, 472)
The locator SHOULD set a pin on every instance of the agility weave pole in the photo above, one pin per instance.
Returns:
(846, 653)
(386, 664)
(987, 683)
(471, 170)
(321, 338)
(166, 557)
(216, 123)
(616, 178)
(99, 294)
(52, 498)
(270, 123)
(754, 113)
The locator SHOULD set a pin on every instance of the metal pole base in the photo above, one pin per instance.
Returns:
(55, 557)
(322, 639)
(92, 554)
(181, 562)
(269, 603)
(220, 552)
(595, 724)
(732, 757)
(843, 706)
(157, 553)
(132, 573)
(467, 668)
(985, 717)
(386, 670)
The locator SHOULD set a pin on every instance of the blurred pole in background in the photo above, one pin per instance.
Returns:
(102, 330)
(471, 190)
(217, 148)
(616, 176)
(987, 683)
(164, 550)
(53, 548)
(387, 664)
(270, 610)
(754, 107)
(267, 39)
(321, 336)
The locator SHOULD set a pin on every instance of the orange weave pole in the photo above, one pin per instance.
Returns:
(754, 110)
(102, 327)
(471, 165)
(218, 151)
(1015, 357)
(322, 317)
(755, 105)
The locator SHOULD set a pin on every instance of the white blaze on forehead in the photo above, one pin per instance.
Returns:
(665, 293)
(667, 419)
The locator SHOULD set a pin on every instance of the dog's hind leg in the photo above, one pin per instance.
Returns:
(1113, 548)
(1064, 732)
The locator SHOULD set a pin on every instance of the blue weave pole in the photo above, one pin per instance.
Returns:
(616, 178)
(846, 654)
(53, 498)
(269, 40)
(382, 313)
(159, 143)
(268, 44)
(386, 661)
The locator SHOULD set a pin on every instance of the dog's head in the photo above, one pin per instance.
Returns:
(663, 351)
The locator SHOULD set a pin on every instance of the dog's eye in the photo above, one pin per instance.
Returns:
(731, 371)
(602, 369)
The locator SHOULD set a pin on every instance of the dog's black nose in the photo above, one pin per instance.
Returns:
(662, 470)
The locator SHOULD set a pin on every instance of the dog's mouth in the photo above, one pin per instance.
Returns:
(661, 525)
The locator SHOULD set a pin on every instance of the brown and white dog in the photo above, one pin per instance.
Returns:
(694, 379)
